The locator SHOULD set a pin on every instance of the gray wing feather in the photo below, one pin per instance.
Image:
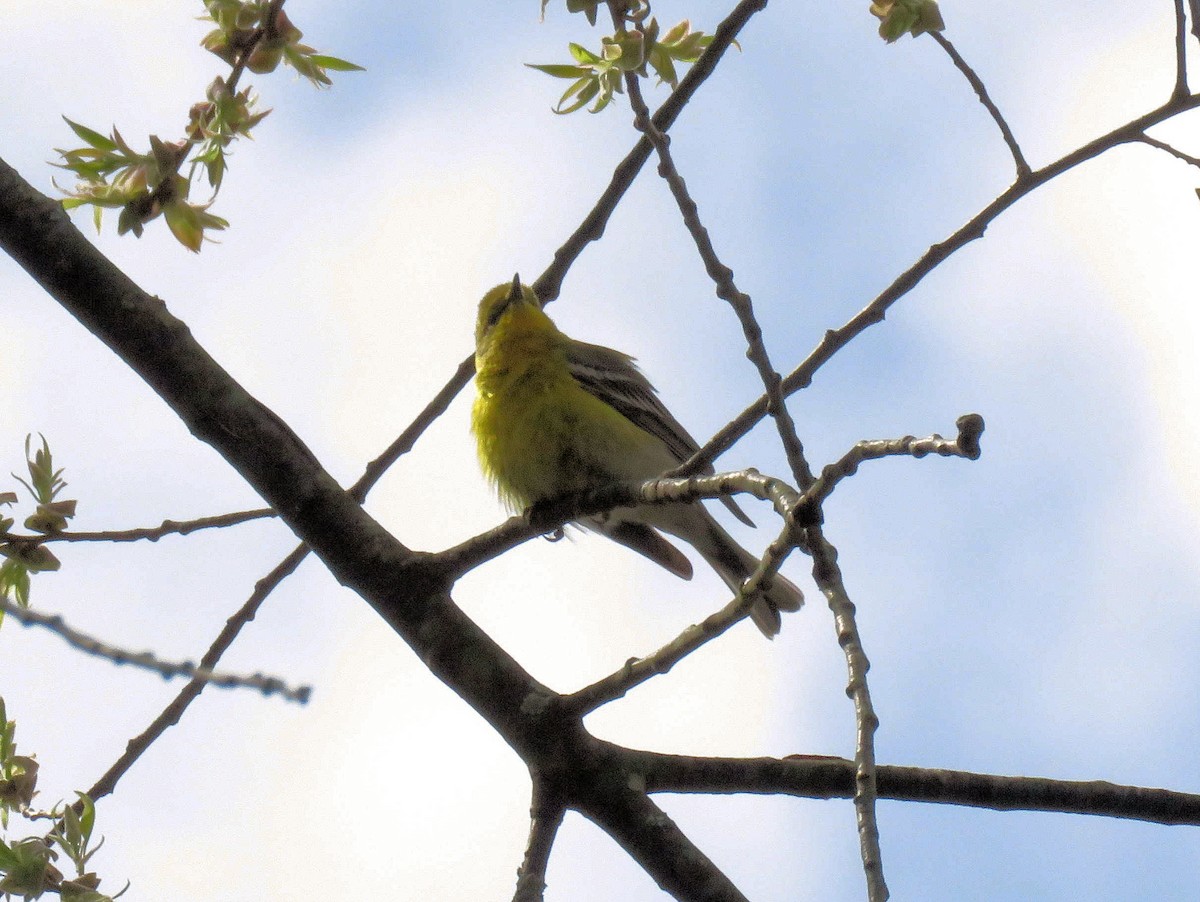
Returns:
(614, 378)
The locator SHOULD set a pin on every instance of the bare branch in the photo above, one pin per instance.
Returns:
(653, 840)
(174, 711)
(545, 817)
(166, 528)
(552, 514)
(874, 313)
(1167, 148)
(965, 444)
(829, 577)
(547, 286)
(1181, 85)
(1023, 170)
(828, 777)
(149, 661)
(722, 275)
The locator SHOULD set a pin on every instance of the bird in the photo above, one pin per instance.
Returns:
(553, 417)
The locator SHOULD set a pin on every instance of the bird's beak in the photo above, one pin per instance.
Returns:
(515, 294)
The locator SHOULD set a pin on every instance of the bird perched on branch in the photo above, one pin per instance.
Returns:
(554, 417)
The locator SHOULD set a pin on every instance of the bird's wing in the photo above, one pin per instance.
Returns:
(614, 378)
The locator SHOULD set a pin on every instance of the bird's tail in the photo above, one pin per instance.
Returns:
(733, 563)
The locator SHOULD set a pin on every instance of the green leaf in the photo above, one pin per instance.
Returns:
(93, 138)
(661, 61)
(583, 91)
(583, 55)
(184, 225)
(337, 65)
(87, 820)
(560, 70)
(587, 7)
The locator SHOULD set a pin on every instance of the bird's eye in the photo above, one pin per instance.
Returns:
(495, 313)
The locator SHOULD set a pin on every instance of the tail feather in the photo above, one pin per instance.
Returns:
(733, 563)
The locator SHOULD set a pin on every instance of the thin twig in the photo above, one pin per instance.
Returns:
(828, 576)
(547, 517)
(149, 661)
(545, 816)
(874, 312)
(1023, 170)
(1194, 9)
(154, 533)
(548, 285)
(722, 276)
(806, 510)
(1181, 84)
(174, 711)
(1167, 148)
(965, 445)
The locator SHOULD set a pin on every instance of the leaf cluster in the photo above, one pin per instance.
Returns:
(250, 34)
(596, 77)
(24, 555)
(27, 865)
(915, 17)
(141, 185)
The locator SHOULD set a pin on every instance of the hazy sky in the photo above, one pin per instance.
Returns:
(1034, 612)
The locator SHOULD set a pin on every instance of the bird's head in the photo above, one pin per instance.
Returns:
(509, 302)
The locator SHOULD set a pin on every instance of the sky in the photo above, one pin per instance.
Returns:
(1034, 612)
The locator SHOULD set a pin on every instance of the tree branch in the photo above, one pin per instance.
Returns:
(545, 817)
(1181, 86)
(149, 661)
(1167, 148)
(872, 314)
(722, 276)
(173, 712)
(821, 777)
(154, 533)
(400, 585)
(1023, 170)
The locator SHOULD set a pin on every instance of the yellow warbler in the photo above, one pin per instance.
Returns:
(554, 416)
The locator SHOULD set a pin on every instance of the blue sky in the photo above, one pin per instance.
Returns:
(1034, 612)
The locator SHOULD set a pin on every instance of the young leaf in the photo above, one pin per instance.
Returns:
(337, 65)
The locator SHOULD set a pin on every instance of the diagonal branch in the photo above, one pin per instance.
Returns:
(149, 661)
(591, 229)
(872, 314)
(1170, 149)
(655, 842)
(174, 711)
(1023, 170)
(722, 276)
